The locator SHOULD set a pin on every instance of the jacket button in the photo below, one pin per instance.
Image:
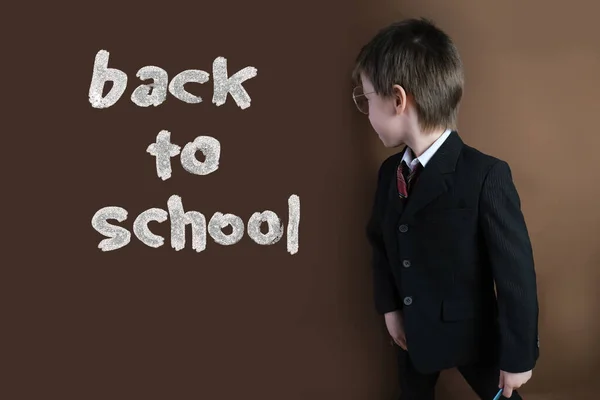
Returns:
(406, 263)
(403, 228)
(408, 300)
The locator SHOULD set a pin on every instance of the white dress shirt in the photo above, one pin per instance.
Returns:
(424, 158)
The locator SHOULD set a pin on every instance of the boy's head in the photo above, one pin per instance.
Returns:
(410, 80)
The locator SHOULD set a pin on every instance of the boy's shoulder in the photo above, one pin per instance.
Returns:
(482, 166)
(476, 159)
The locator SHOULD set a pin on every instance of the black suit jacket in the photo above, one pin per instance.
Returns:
(457, 259)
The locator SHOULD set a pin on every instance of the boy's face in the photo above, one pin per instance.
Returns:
(387, 115)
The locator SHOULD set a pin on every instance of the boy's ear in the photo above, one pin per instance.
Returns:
(399, 96)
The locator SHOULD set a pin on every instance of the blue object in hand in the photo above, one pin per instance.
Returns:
(498, 394)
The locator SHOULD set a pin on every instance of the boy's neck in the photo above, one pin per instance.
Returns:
(419, 141)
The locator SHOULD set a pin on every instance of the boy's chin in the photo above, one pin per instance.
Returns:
(390, 144)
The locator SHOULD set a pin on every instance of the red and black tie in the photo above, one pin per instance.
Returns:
(407, 178)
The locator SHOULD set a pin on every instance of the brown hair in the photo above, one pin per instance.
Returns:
(421, 58)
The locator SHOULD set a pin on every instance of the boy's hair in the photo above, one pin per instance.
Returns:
(421, 58)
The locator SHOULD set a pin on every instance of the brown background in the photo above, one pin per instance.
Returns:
(255, 322)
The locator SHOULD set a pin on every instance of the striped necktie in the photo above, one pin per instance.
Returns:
(406, 184)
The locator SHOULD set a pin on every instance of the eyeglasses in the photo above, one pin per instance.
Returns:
(361, 101)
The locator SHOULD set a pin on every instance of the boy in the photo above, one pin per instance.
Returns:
(453, 265)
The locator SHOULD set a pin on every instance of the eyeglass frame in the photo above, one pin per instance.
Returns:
(354, 96)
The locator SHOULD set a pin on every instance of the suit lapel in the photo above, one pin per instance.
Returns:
(434, 179)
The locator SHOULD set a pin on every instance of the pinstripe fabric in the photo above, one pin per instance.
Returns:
(438, 257)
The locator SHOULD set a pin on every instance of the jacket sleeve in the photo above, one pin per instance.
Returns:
(384, 287)
(511, 256)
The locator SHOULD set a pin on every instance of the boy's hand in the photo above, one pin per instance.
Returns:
(510, 381)
(395, 326)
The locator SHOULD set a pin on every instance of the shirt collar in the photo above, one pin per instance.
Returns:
(424, 158)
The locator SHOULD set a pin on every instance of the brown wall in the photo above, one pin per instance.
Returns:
(254, 322)
(533, 81)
